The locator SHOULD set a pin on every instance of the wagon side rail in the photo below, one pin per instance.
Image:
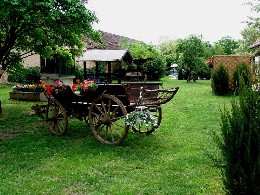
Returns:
(157, 96)
(149, 94)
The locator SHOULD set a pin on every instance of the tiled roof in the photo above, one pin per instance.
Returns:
(108, 41)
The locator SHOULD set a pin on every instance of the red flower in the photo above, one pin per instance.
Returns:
(74, 87)
(77, 80)
(209, 61)
(48, 89)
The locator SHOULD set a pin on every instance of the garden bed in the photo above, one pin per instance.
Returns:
(27, 96)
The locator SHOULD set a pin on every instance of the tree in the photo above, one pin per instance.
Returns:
(228, 44)
(252, 31)
(191, 54)
(168, 49)
(249, 34)
(28, 26)
(255, 7)
(153, 65)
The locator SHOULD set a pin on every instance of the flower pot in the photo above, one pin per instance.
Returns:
(27, 96)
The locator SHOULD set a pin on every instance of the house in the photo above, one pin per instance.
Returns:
(256, 44)
(51, 67)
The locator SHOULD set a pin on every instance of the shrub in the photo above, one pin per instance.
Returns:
(242, 75)
(240, 145)
(219, 83)
(19, 74)
(155, 68)
(33, 74)
(79, 72)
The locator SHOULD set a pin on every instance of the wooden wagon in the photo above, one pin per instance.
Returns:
(106, 109)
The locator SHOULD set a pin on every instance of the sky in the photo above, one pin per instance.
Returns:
(153, 21)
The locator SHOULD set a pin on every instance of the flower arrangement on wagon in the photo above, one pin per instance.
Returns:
(85, 86)
(140, 117)
(58, 87)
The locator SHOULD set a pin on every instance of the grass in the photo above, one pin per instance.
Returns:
(172, 160)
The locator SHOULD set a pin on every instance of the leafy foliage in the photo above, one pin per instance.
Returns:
(19, 74)
(240, 145)
(154, 67)
(41, 26)
(242, 75)
(219, 83)
(251, 32)
(140, 117)
(228, 44)
(168, 49)
(190, 52)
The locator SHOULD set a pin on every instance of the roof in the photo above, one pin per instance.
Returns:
(255, 44)
(108, 41)
(106, 55)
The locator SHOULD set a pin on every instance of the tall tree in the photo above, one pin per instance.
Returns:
(228, 44)
(190, 52)
(151, 62)
(255, 7)
(252, 31)
(40, 26)
(168, 49)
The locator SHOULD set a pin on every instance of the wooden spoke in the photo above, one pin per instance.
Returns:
(105, 114)
(56, 117)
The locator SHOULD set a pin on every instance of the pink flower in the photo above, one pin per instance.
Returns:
(56, 83)
(85, 87)
(59, 84)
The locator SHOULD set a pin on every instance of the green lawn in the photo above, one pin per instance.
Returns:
(173, 160)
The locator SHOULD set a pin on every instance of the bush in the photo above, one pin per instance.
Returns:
(155, 69)
(242, 75)
(240, 144)
(219, 83)
(19, 74)
(79, 72)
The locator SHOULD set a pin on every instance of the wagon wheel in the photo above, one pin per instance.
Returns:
(157, 112)
(56, 117)
(107, 119)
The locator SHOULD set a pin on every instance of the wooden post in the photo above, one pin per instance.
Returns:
(85, 70)
(96, 75)
(109, 73)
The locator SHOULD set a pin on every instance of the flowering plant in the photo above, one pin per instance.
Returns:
(86, 85)
(140, 117)
(209, 61)
(30, 88)
(58, 86)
